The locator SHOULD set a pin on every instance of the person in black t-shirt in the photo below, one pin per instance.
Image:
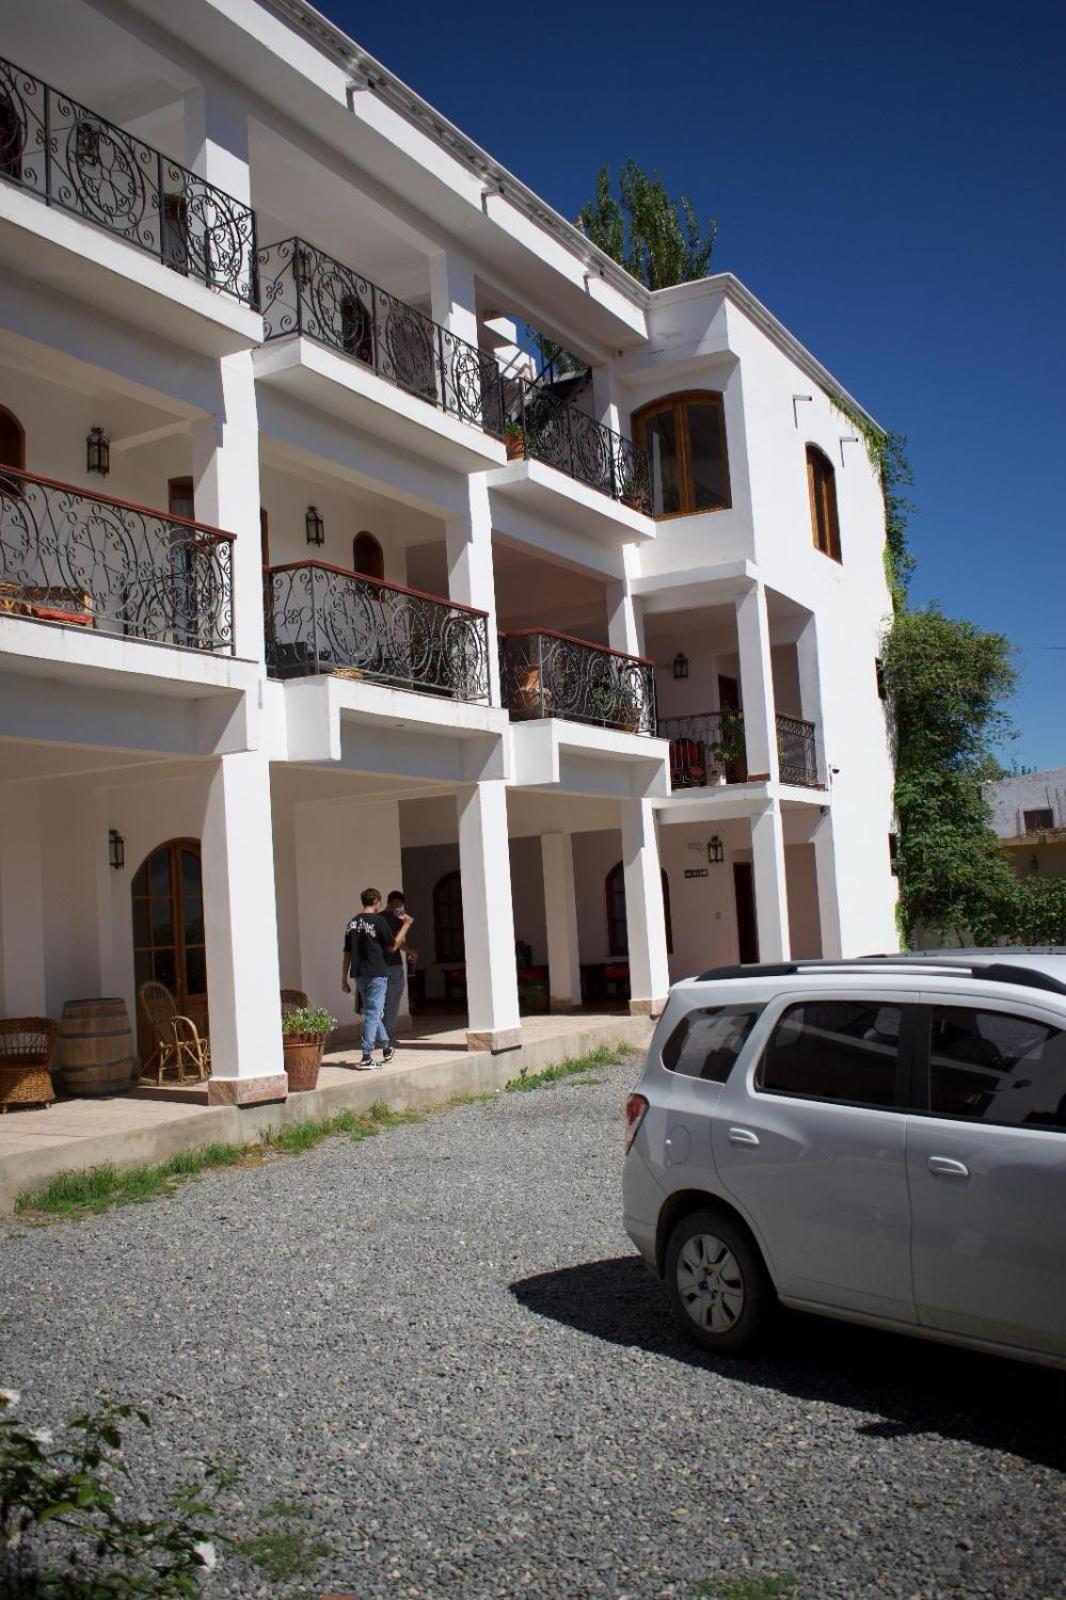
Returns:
(368, 941)
(394, 916)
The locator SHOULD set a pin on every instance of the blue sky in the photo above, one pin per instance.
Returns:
(890, 182)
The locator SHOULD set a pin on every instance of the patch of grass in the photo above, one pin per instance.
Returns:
(749, 1586)
(283, 1552)
(472, 1099)
(577, 1067)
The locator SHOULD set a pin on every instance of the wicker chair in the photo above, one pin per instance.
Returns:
(293, 1000)
(178, 1044)
(26, 1045)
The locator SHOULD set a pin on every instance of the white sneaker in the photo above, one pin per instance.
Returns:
(368, 1065)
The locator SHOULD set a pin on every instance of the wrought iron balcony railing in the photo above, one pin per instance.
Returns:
(321, 618)
(74, 159)
(546, 674)
(547, 428)
(70, 556)
(709, 748)
(306, 292)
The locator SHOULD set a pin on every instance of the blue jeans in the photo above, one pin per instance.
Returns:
(374, 991)
(394, 995)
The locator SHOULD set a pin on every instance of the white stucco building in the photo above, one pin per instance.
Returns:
(355, 602)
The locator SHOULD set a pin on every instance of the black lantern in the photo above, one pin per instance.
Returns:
(316, 528)
(681, 665)
(98, 452)
(715, 850)
(116, 849)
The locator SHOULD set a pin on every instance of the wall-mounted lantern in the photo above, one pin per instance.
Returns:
(681, 665)
(715, 850)
(316, 528)
(98, 452)
(116, 849)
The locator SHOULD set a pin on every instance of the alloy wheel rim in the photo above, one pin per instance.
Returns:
(710, 1283)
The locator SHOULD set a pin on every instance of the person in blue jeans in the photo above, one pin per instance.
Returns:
(368, 940)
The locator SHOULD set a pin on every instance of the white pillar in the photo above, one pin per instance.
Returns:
(606, 398)
(216, 140)
(453, 302)
(757, 683)
(825, 866)
(625, 620)
(771, 894)
(560, 917)
(488, 919)
(240, 924)
(649, 971)
(22, 949)
(470, 577)
(225, 453)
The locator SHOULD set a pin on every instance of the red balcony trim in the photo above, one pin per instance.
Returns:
(380, 583)
(109, 500)
(571, 638)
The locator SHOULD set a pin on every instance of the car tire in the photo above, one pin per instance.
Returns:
(719, 1289)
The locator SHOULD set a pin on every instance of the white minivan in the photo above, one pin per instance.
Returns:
(882, 1140)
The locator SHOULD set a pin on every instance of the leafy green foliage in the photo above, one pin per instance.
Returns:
(65, 1533)
(945, 680)
(658, 240)
(579, 1067)
(307, 1019)
(888, 457)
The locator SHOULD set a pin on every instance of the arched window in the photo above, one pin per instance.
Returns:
(12, 440)
(448, 918)
(684, 435)
(617, 930)
(368, 558)
(822, 482)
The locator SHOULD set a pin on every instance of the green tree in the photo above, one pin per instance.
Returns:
(658, 240)
(946, 680)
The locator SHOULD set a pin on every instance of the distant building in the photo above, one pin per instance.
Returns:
(1029, 816)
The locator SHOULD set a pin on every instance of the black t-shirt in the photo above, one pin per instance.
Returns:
(367, 940)
(393, 958)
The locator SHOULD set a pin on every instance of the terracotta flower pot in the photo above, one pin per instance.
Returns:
(516, 445)
(303, 1057)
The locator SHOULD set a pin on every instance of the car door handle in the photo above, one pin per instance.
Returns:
(743, 1136)
(948, 1168)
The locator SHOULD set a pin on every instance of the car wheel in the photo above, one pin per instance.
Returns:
(719, 1289)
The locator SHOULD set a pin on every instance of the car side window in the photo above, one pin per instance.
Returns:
(995, 1066)
(846, 1051)
(706, 1043)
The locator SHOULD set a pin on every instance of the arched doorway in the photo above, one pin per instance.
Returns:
(168, 930)
(368, 558)
(12, 440)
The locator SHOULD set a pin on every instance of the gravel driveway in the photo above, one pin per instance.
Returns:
(439, 1343)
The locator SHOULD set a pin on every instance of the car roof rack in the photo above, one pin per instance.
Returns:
(991, 971)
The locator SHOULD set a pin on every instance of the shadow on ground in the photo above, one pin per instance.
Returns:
(905, 1386)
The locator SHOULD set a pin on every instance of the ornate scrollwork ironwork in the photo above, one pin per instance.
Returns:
(709, 747)
(322, 619)
(545, 674)
(73, 557)
(307, 292)
(558, 433)
(72, 158)
(797, 753)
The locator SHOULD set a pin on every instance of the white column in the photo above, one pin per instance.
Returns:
(488, 919)
(225, 455)
(625, 620)
(825, 866)
(756, 682)
(22, 962)
(452, 291)
(240, 923)
(470, 575)
(649, 971)
(771, 894)
(560, 917)
(216, 140)
(606, 397)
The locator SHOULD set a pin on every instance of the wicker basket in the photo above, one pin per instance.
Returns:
(26, 1045)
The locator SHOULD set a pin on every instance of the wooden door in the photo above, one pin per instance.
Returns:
(747, 924)
(168, 931)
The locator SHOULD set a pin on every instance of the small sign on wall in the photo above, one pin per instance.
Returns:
(696, 872)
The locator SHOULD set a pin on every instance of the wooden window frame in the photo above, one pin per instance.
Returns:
(817, 457)
(615, 946)
(1029, 826)
(677, 403)
(365, 534)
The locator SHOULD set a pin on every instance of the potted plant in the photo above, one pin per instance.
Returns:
(304, 1030)
(514, 437)
(729, 749)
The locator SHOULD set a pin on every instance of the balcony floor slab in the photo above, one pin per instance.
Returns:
(535, 487)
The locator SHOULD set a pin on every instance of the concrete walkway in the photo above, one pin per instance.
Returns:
(430, 1066)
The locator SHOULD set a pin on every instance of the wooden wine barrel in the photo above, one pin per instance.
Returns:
(94, 1053)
